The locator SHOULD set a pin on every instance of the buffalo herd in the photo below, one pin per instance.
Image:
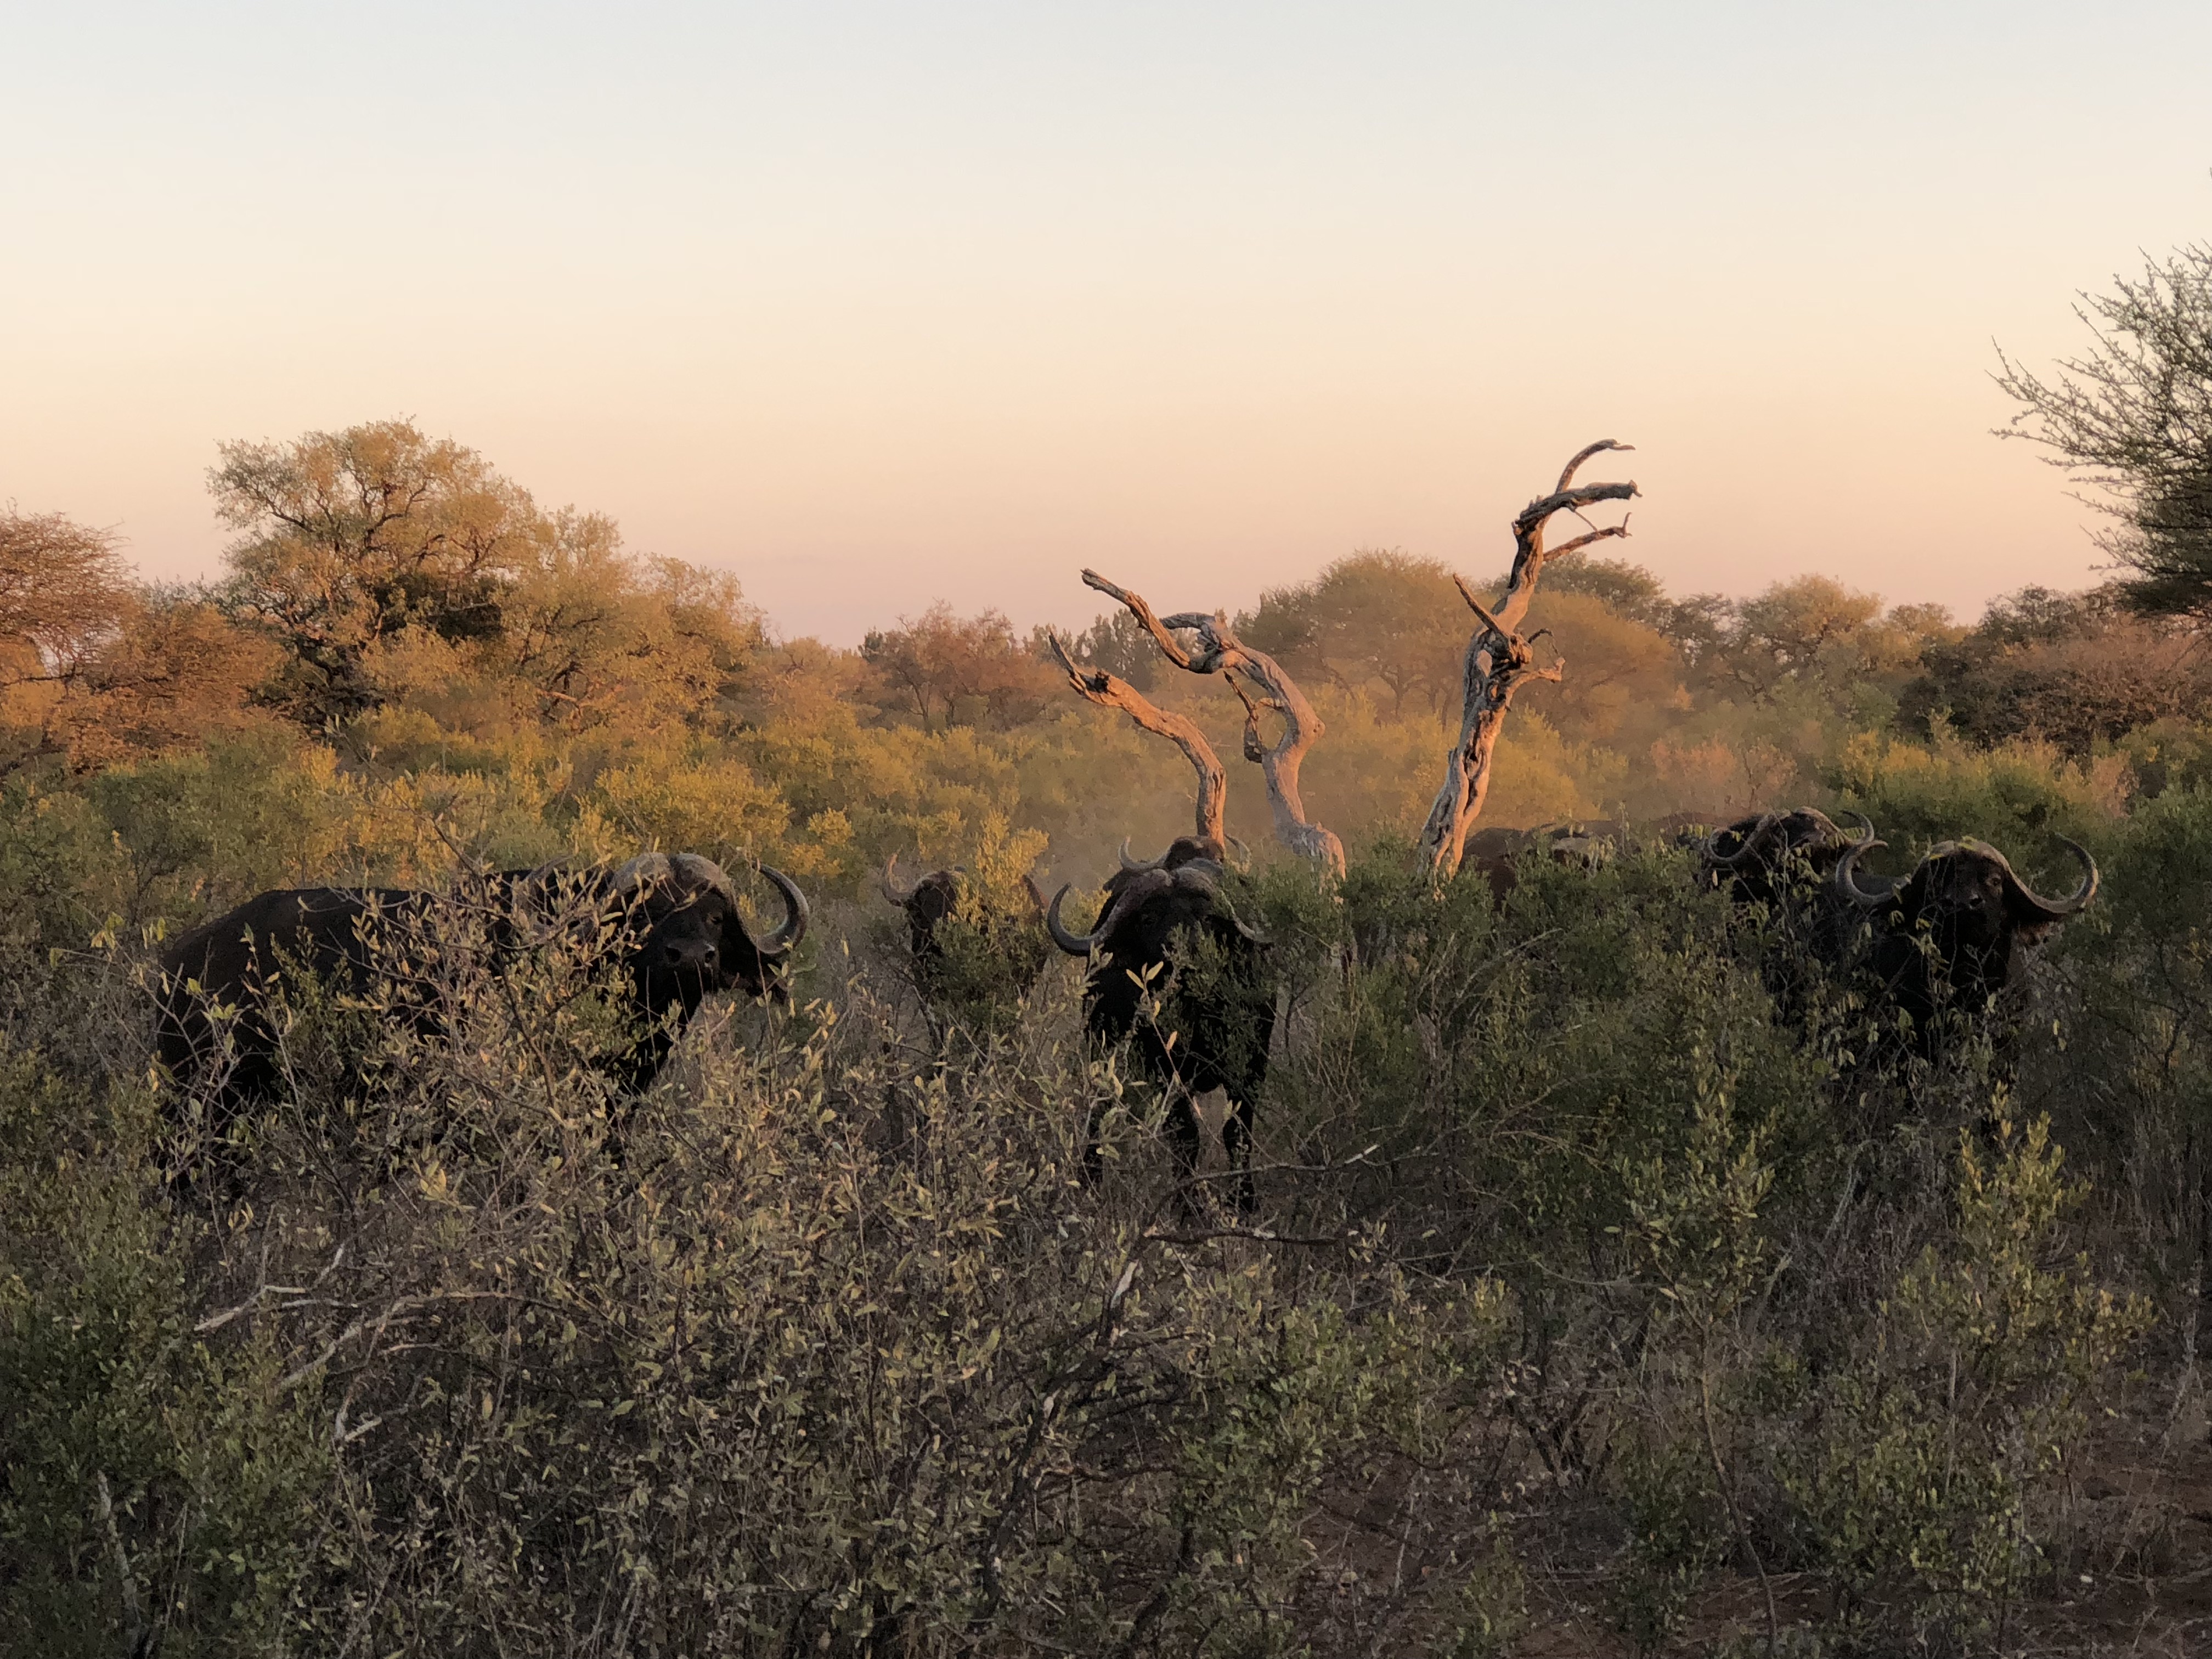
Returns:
(1172, 971)
(1927, 949)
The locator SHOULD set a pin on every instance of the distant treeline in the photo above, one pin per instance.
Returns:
(401, 630)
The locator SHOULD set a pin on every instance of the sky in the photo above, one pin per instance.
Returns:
(880, 304)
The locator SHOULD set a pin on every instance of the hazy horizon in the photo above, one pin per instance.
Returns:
(875, 307)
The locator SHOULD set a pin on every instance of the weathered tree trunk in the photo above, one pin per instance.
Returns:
(1111, 691)
(1499, 661)
(1220, 652)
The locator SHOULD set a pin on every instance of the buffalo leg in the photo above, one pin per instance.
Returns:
(1090, 1159)
(1182, 1129)
(1237, 1141)
(1182, 1135)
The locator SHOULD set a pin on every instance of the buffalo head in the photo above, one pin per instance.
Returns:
(1761, 858)
(688, 938)
(1947, 934)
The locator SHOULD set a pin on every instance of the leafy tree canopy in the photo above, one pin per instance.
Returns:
(2132, 418)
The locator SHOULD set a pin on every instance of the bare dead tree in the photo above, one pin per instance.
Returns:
(1220, 652)
(1112, 691)
(1499, 661)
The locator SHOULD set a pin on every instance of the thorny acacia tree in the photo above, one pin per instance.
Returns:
(2133, 418)
(63, 589)
(1220, 652)
(389, 565)
(957, 671)
(353, 538)
(1499, 661)
(1371, 619)
(95, 669)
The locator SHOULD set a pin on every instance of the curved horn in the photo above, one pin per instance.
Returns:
(1244, 856)
(786, 939)
(1036, 896)
(1866, 824)
(1135, 866)
(1753, 838)
(1246, 928)
(1076, 945)
(887, 883)
(1847, 881)
(2073, 903)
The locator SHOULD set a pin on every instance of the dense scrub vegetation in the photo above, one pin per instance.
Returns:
(1584, 1288)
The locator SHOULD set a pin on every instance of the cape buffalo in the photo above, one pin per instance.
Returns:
(1948, 937)
(935, 898)
(1783, 862)
(1772, 856)
(673, 919)
(1210, 1030)
(1496, 852)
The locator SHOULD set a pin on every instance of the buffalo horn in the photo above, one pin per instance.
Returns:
(1752, 837)
(644, 868)
(2074, 901)
(1138, 866)
(785, 939)
(1244, 856)
(1076, 945)
(1847, 881)
(1037, 897)
(889, 884)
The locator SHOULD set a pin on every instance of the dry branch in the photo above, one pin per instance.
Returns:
(1220, 652)
(1111, 691)
(1499, 659)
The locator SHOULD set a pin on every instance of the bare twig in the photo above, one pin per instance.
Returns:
(1257, 1234)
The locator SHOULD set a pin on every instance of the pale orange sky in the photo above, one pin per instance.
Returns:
(879, 304)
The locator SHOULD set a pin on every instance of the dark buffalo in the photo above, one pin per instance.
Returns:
(935, 898)
(1212, 1030)
(1782, 863)
(1496, 853)
(1183, 849)
(1947, 938)
(1773, 857)
(673, 919)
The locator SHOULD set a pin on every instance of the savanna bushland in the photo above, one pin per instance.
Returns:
(1619, 1276)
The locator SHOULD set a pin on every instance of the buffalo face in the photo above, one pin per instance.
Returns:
(690, 939)
(1947, 935)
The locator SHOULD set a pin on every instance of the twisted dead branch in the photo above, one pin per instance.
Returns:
(1499, 661)
(1218, 651)
(1111, 691)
